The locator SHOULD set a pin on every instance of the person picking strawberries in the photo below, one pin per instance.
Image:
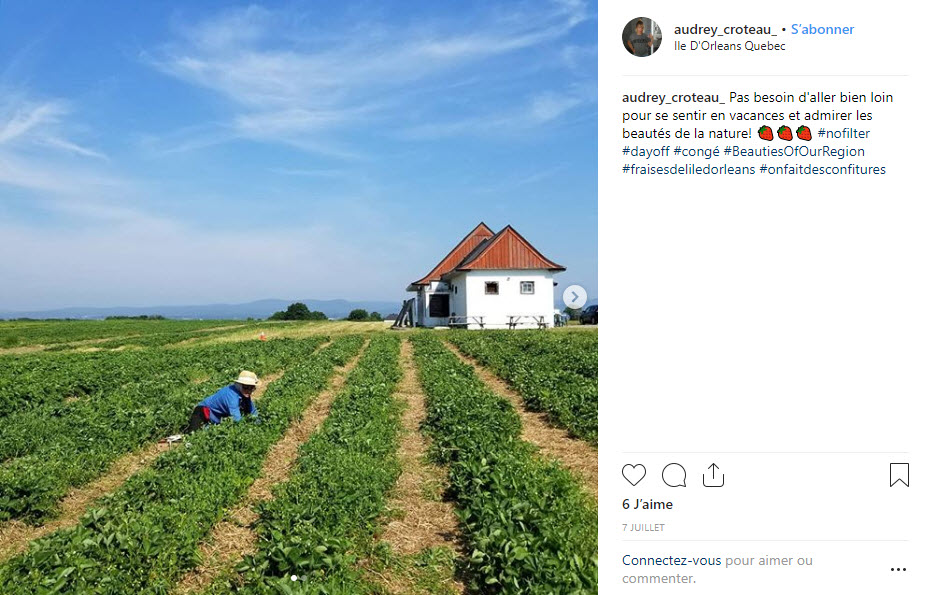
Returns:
(230, 401)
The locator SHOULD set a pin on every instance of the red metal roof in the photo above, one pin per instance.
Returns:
(483, 249)
(507, 250)
(475, 237)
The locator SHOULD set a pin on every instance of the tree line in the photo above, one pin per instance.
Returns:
(300, 311)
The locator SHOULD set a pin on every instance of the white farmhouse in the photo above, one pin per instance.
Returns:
(489, 280)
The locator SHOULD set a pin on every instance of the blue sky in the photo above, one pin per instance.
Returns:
(176, 153)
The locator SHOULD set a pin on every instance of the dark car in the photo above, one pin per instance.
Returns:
(589, 315)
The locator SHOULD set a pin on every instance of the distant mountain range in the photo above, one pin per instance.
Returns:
(258, 309)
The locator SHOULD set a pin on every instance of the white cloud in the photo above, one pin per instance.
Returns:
(233, 28)
(18, 118)
(312, 173)
(539, 109)
(287, 86)
(66, 145)
(57, 178)
(522, 180)
(191, 138)
(25, 122)
(549, 106)
(576, 57)
(36, 156)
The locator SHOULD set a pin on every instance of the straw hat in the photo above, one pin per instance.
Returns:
(247, 378)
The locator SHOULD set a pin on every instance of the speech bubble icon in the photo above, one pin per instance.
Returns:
(674, 476)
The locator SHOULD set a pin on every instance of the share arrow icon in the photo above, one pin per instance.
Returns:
(713, 481)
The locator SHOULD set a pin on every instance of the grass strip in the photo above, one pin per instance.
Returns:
(543, 372)
(144, 537)
(529, 526)
(312, 534)
(48, 450)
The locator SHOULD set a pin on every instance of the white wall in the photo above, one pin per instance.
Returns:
(423, 317)
(458, 304)
(497, 309)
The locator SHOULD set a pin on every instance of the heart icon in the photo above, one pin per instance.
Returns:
(634, 473)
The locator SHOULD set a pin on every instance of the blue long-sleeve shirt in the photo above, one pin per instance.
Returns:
(228, 402)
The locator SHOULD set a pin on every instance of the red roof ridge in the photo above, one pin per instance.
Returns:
(480, 231)
(471, 261)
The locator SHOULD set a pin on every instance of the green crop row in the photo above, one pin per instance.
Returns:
(311, 533)
(561, 350)
(529, 526)
(144, 537)
(35, 379)
(28, 381)
(32, 332)
(534, 365)
(49, 449)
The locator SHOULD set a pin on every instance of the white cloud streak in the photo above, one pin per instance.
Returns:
(285, 86)
(19, 118)
(525, 180)
(71, 147)
(540, 109)
(310, 173)
(38, 123)
(36, 156)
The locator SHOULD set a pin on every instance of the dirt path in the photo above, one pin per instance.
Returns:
(577, 455)
(72, 345)
(420, 518)
(204, 334)
(16, 535)
(233, 537)
(77, 345)
(297, 330)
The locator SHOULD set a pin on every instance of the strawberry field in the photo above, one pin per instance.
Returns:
(56, 335)
(555, 373)
(68, 416)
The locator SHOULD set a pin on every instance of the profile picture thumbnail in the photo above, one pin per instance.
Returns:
(642, 37)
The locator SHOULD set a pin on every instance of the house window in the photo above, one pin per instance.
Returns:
(490, 288)
(439, 305)
(527, 287)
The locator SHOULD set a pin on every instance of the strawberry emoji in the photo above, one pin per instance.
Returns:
(784, 133)
(804, 133)
(765, 133)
